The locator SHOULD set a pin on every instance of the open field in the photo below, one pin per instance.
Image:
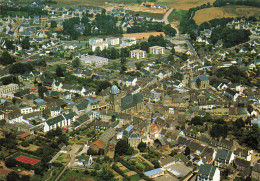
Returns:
(31, 147)
(184, 4)
(207, 14)
(176, 15)
(139, 36)
(158, 16)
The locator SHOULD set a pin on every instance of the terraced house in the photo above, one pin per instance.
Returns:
(63, 120)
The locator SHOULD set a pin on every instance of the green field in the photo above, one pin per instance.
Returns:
(176, 15)
(135, 177)
(158, 16)
(72, 175)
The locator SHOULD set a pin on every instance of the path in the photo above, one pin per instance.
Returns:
(165, 20)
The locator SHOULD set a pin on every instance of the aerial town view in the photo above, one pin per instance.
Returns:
(129, 90)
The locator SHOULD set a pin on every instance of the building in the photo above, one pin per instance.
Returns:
(232, 94)
(85, 161)
(134, 139)
(6, 89)
(156, 50)
(63, 120)
(95, 41)
(113, 41)
(208, 172)
(128, 41)
(94, 61)
(138, 54)
(223, 157)
(101, 45)
(155, 172)
(202, 80)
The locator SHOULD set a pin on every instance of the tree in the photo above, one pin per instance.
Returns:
(142, 146)
(6, 58)
(239, 123)
(53, 24)
(9, 45)
(20, 68)
(122, 60)
(76, 62)
(138, 65)
(168, 30)
(59, 71)
(10, 162)
(198, 83)
(26, 43)
(121, 147)
(144, 46)
(173, 50)
(187, 151)
(41, 91)
(170, 58)
(13, 176)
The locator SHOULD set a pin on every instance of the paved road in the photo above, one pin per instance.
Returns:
(165, 17)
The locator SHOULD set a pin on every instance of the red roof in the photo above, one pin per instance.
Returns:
(99, 143)
(25, 134)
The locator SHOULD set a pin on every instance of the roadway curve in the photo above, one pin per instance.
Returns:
(165, 20)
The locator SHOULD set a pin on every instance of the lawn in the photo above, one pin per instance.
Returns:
(146, 14)
(72, 175)
(135, 177)
(60, 158)
(178, 155)
(176, 15)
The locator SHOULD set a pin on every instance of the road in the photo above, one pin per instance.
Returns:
(165, 20)
(193, 51)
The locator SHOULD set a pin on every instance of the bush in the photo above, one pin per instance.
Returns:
(25, 144)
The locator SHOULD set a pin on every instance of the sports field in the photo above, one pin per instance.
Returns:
(25, 159)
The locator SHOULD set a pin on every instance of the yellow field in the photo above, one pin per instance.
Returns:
(184, 4)
(204, 15)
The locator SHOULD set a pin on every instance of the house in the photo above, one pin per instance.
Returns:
(85, 161)
(7, 89)
(223, 157)
(166, 162)
(155, 172)
(256, 171)
(204, 82)
(101, 45)
(93, 61)
(138, 54)
(128, 41)
(131, 81)
(156, 50)
(243, 153)
(241, 164)
(134, 139)
(208, 172)
(95, 41)
(232, 94)
(112, 41)
(14, 116)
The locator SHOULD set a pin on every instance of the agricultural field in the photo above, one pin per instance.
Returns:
(176, 15)
(207, 14)
(184, 4)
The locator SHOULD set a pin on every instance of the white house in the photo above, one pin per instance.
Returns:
(157, 50)
(131, 81)
(94, 61)
(138, 54)
(95, 40)
(128, 41)
(113, 41)
(101, 45)
(10, 88)
(208, 172)
(26, 110)
(63, 120)
(223, 157)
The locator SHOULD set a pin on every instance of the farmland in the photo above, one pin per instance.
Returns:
(158, 16)
(207, 14)
(184, 4)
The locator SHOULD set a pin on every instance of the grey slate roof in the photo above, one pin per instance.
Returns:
(207, 171)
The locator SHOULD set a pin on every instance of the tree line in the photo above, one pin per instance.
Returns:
(31, 11)
(219, 3)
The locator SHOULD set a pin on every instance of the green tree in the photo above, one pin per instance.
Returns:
(6, 58)
(26, 43)
(9, 45)
(53, 24)
(139, 65)
(123, 60)
(170, 58)
(59, 71)
(187, 151)
(41, 91)
(121, 147)
(13, 176)
(168, 30)
(173, 50)
(142, 146)
(76, 62)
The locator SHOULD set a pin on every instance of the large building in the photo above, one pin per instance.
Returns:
(128, 41)
(93, 61)
(112, 41)
(7, 89)
(156, 50)
(138, 54)
(101, 45)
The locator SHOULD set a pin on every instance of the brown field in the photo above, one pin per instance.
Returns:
(184, 4)
(139, 36)
(204, 15)
(30, 147)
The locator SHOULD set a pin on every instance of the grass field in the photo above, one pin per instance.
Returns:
(207, 14)
(184, 4)
(176, 15)
(71, 175)
(135, 177)
(158, 16)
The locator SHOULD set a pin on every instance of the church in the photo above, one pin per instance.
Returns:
(127, 104)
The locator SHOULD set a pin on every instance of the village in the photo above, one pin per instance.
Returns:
(128, 97)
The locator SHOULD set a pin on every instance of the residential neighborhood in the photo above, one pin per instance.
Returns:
(94, 93)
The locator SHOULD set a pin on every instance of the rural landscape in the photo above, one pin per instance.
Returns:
(129, 90)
